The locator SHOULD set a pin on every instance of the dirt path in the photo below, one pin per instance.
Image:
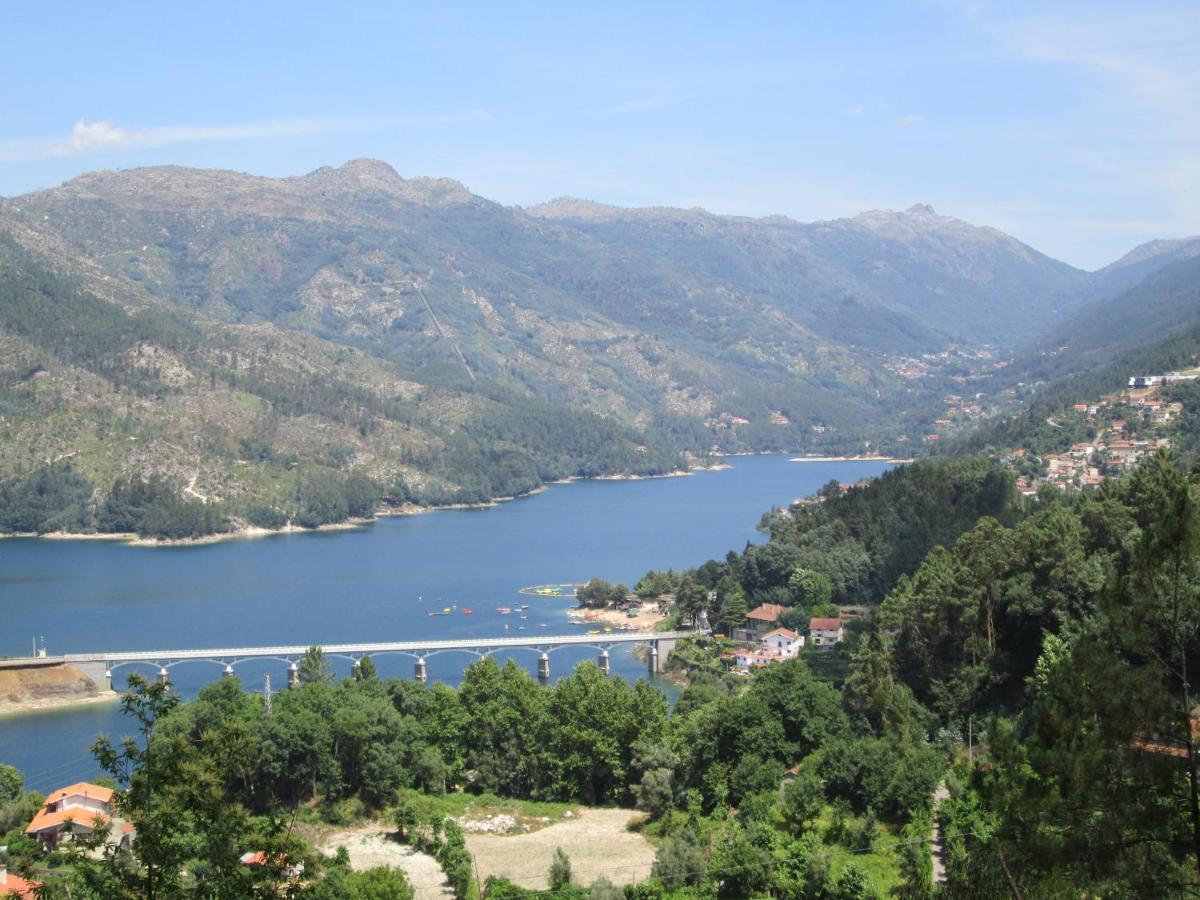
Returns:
(370, 846)
(597, 841)
(936, 837)
(191, 489)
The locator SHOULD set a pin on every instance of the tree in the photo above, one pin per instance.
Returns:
(809, 588)
(803, 799)
(314, 667)
(1167, 595)
(365, 670)
(559, 876)
(680, 860)
(853, 884)
(733, 603)
(598, 593)
(12, 784)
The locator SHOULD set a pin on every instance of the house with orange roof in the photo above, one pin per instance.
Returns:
(16, 886)
(76, 810)
(759, 621)
(292, 871)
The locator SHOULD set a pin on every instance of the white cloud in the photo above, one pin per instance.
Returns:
(856, 110)
(650, 98)
(97, 137)
(908, 121)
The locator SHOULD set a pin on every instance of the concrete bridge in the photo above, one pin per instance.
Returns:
(101, 665)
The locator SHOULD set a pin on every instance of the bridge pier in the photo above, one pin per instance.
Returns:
(419, 669)
(164, 677)
(100, 666)
(108, 677)
(228, 672)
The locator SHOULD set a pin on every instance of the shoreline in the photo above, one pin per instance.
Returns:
(49, 704)
(253, 532)
(646, 620)
(900, 460)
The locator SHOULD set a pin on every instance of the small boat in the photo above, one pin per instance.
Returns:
(523, 606)
(608, 629)
(466, 612)
(544, 625)
(446, 610)
(503, 610)
(594, 631)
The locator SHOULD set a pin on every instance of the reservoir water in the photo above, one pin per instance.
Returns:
(379, 582)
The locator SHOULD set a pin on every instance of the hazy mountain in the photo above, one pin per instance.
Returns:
(1166, 299)
(882, 278)
(1140, 263)
(355, 320)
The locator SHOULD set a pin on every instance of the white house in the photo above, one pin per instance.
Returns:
(774, 646)
(76, 810)
(825, 632)
(781, 642)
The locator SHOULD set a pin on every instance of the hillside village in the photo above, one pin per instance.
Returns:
(1126, 426)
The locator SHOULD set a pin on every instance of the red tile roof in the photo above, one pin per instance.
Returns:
(82, 789)
(768, 612)
(16, 886)
(87, 818)
(824, 624)
(782, 632)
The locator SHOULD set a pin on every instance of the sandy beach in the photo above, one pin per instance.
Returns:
(645, 620)
(28, 706)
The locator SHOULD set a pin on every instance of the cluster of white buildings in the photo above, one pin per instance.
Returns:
(767, 641)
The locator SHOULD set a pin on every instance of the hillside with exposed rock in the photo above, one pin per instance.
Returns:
(262, 343)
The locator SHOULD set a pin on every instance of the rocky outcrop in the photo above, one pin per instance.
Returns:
(40, 684)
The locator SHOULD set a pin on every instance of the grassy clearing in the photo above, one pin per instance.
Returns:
(529, 815)
(881, 862)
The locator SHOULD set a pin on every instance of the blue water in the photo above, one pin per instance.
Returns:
(374, 583)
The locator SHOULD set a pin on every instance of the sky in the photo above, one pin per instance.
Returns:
(1073, 127)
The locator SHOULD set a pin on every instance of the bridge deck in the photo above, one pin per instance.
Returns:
(411, 647)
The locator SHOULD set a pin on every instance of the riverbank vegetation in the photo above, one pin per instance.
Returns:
(1036, 664)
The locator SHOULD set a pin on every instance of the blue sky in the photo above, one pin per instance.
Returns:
(1073, 127)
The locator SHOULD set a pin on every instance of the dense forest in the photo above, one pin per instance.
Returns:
(1035, 659)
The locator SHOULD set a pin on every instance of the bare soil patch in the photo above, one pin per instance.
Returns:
(598, 842)
(371, 846)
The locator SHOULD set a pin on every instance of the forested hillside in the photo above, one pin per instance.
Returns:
(1164, 302)
(294, 350)
(1037, 667)
(151, 419)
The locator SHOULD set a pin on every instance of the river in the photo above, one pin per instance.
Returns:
(378, 582)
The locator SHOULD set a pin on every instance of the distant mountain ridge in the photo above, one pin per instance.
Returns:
(439, 315)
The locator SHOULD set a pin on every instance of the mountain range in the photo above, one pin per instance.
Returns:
(235, 333)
